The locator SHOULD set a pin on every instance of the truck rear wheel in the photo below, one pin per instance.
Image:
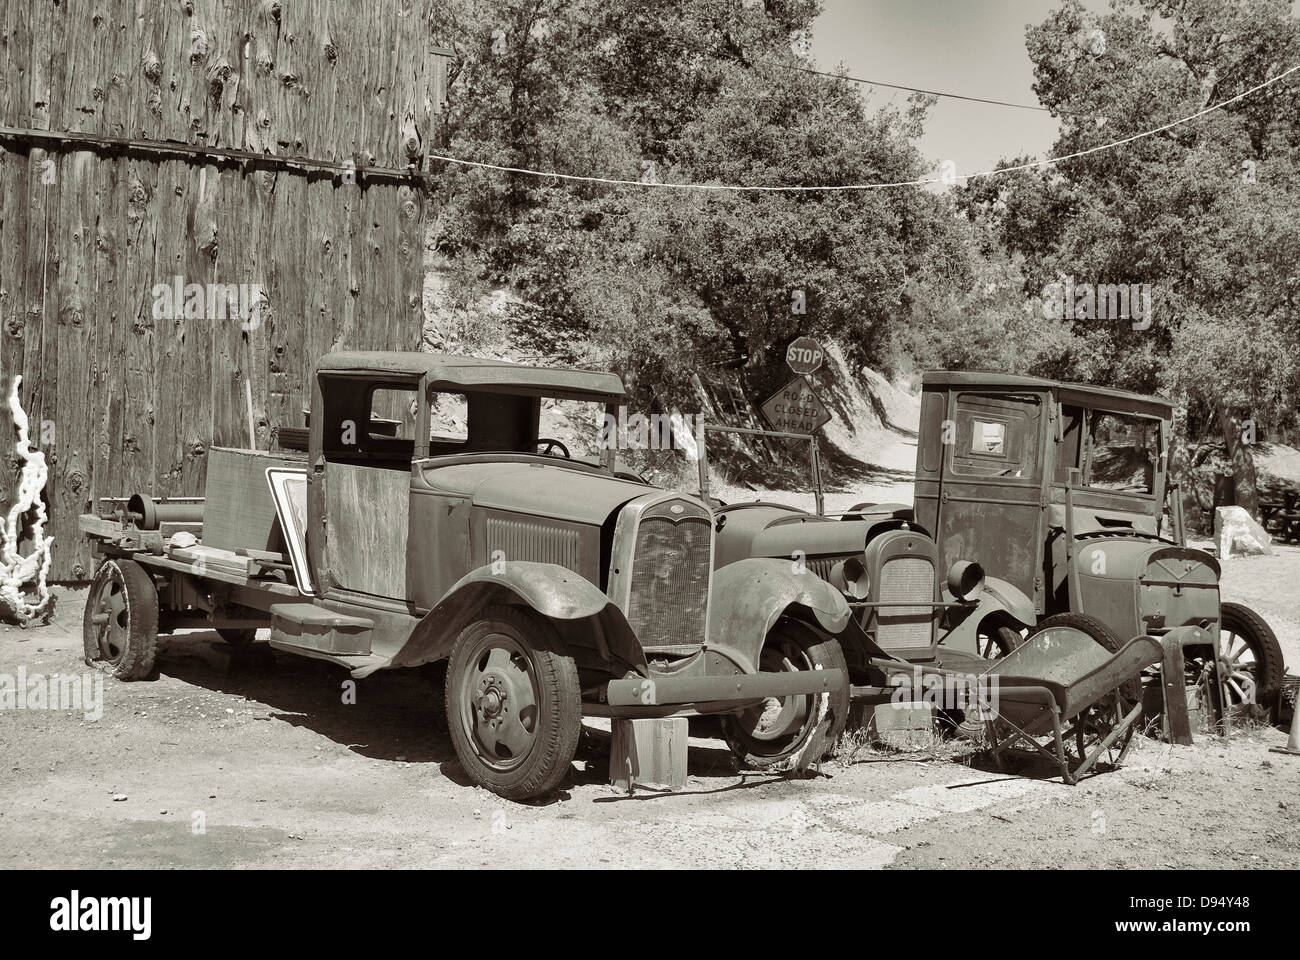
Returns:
(794, 731)
(514, 706)
(1104, 635)
(237, 636)
(120, 628)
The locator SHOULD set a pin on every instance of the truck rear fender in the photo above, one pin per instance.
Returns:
(593, 629)
(749, 596)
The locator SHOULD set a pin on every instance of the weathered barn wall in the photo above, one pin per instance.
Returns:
(131, 403)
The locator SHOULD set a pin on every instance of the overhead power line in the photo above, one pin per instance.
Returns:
(1033, 164)
(767, 61)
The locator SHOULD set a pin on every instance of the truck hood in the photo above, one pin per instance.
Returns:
(535, 488)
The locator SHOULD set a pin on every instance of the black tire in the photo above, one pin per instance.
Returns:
(237, 636)
(997, 635)
(528, 695)
(1108, 638)
(120, 627)
(822, 716)
(1267, 667)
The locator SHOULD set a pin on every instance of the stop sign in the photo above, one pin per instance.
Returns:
(803, 355)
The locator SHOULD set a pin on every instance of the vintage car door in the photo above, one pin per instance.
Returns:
(990, 489)
(361, 480)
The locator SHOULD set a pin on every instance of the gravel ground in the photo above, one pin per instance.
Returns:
(253, 759)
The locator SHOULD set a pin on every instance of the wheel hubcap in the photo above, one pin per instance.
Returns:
(109, 621)
(499, 706)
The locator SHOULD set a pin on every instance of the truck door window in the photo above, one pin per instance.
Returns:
(996, 435)
(448, 421)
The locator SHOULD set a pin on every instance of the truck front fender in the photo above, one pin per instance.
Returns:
(586, 618)
(749, 596)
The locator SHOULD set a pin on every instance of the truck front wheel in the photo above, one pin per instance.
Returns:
(514, 706)
(794, 731)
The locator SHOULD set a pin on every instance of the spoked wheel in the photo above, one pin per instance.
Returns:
(514, 706)
(1250, 659)
(1102, 718)
(120, 627)
(794, 730)
(996, 637)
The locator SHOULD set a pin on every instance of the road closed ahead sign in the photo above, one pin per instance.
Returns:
(795, 408)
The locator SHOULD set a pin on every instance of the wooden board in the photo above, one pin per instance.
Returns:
(648, 753)
(123, 401)
(369, 516)
(239, 512)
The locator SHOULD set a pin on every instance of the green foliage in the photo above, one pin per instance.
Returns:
(674, 288)
(1204, 211)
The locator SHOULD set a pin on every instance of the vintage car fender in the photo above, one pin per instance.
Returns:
(996, 596)
(749, 596)
(587, 617)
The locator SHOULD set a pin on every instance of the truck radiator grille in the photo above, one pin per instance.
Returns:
(536, 542)
(671, 570)
(906, 628)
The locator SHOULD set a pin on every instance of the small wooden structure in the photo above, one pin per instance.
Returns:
(146, 146)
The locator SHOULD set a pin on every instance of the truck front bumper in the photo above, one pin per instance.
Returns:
(665, 690)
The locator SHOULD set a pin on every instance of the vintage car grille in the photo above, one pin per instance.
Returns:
(671, 572)
(907, 627)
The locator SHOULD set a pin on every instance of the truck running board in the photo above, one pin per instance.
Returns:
(307, 628)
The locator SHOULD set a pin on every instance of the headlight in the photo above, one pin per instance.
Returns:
(965, 579)
(849, 576)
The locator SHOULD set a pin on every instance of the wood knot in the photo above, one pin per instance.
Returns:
(198, 46)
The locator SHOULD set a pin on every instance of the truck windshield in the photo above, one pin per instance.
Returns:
(1123, 452)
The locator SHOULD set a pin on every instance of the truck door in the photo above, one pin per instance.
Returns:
(358, 535)
(990, 490)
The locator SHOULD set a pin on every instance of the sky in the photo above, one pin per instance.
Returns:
(973, 47)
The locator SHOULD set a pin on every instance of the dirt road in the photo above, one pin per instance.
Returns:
(254, 759)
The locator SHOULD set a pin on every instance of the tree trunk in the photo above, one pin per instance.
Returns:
(1243, 463)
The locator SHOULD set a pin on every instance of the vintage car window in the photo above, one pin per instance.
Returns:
(988, 437)
(1122, 452)
(392, 414)
(578, 424)
(448, 419)
(996, 435)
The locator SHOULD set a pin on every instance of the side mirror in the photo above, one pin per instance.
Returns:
(965, 579)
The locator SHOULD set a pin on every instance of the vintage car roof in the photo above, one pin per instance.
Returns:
(1087, 394)
(451, 370)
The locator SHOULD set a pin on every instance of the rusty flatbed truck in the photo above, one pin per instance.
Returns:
(429, 520)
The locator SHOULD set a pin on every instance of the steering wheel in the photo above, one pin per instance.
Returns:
(552, 445)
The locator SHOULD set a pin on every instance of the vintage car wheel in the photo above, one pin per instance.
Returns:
(1249, 656)
(514, 706)
(1108, 638)
(237, 636)
(799, 730)
(120, 628)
